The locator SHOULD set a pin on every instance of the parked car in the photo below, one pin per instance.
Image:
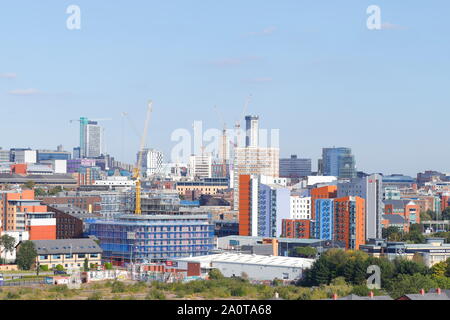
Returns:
(59, 272)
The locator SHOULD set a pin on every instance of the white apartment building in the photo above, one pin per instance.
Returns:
(300, 207)
(25, 156)
(93, 138)
(254, 161)
(200, 166)
(152, 160)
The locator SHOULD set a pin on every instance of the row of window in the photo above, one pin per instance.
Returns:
(68, 256)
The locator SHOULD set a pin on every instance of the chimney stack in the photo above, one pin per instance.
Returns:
(422, 292)
(438, 290)
(335, 296)
(371, 294)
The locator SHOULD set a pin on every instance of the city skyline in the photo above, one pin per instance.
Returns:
(314, 71)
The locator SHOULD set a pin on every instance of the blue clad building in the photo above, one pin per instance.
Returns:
(324, 213)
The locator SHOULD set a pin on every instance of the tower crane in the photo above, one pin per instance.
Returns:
(80, 120)
(137, 168)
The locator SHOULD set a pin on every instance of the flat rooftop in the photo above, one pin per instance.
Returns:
(276, 261)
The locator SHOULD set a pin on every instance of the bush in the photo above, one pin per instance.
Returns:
(155, 294)
(43, 267)
(118, 286)
(215, 274)
(59, 267)
(108, 265)
(95, 296)
(12, 295)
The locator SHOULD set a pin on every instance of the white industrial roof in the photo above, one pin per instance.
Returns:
(252, 259)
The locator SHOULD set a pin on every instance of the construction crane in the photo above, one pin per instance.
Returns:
(137, 169)
(80, 120)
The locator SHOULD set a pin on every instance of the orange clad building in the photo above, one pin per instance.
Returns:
(326, 192)
(349, 221)
(19, 211)
(297, 229)
(245, 205)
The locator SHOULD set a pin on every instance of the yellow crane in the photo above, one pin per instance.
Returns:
(137, 169)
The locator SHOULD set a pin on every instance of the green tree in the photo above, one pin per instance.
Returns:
(439, 269)
(53, 191)
(39, 192)
(59, 267)
(305, 252)
(407, 267)
(391, 233)
(215, 274)
(86, 264)
(29, 184)
(409, 284)
(26, 255)
(8, 244)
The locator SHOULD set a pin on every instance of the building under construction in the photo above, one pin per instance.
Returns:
(153, 238)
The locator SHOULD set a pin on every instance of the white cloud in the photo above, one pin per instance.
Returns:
(391, 26)
(266, 31)
(8, 75)
(24, 92)
(261, 79)
(233, 61)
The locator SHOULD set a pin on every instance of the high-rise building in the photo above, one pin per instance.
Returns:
(93, 140)
(324, 219)
(369, 188)
(254, 161)
(338, 162)
(262, 207)
(349, 221)
(200, 166)
(252, 131)
(325, 192)
(4, 155)
(152, 161)
(294, 167)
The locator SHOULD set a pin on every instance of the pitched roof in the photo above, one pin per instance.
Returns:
(394, 218)
(66, 246)
(426, 296)
(356, 297)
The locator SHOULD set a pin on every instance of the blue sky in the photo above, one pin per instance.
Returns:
(313, 68)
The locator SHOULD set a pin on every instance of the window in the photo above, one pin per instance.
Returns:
(81, 255)
(43, 257)
(69, 256)
(57, 256)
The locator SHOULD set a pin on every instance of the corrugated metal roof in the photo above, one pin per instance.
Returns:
(252, 259)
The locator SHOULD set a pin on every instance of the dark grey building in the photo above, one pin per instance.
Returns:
(294, 167)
